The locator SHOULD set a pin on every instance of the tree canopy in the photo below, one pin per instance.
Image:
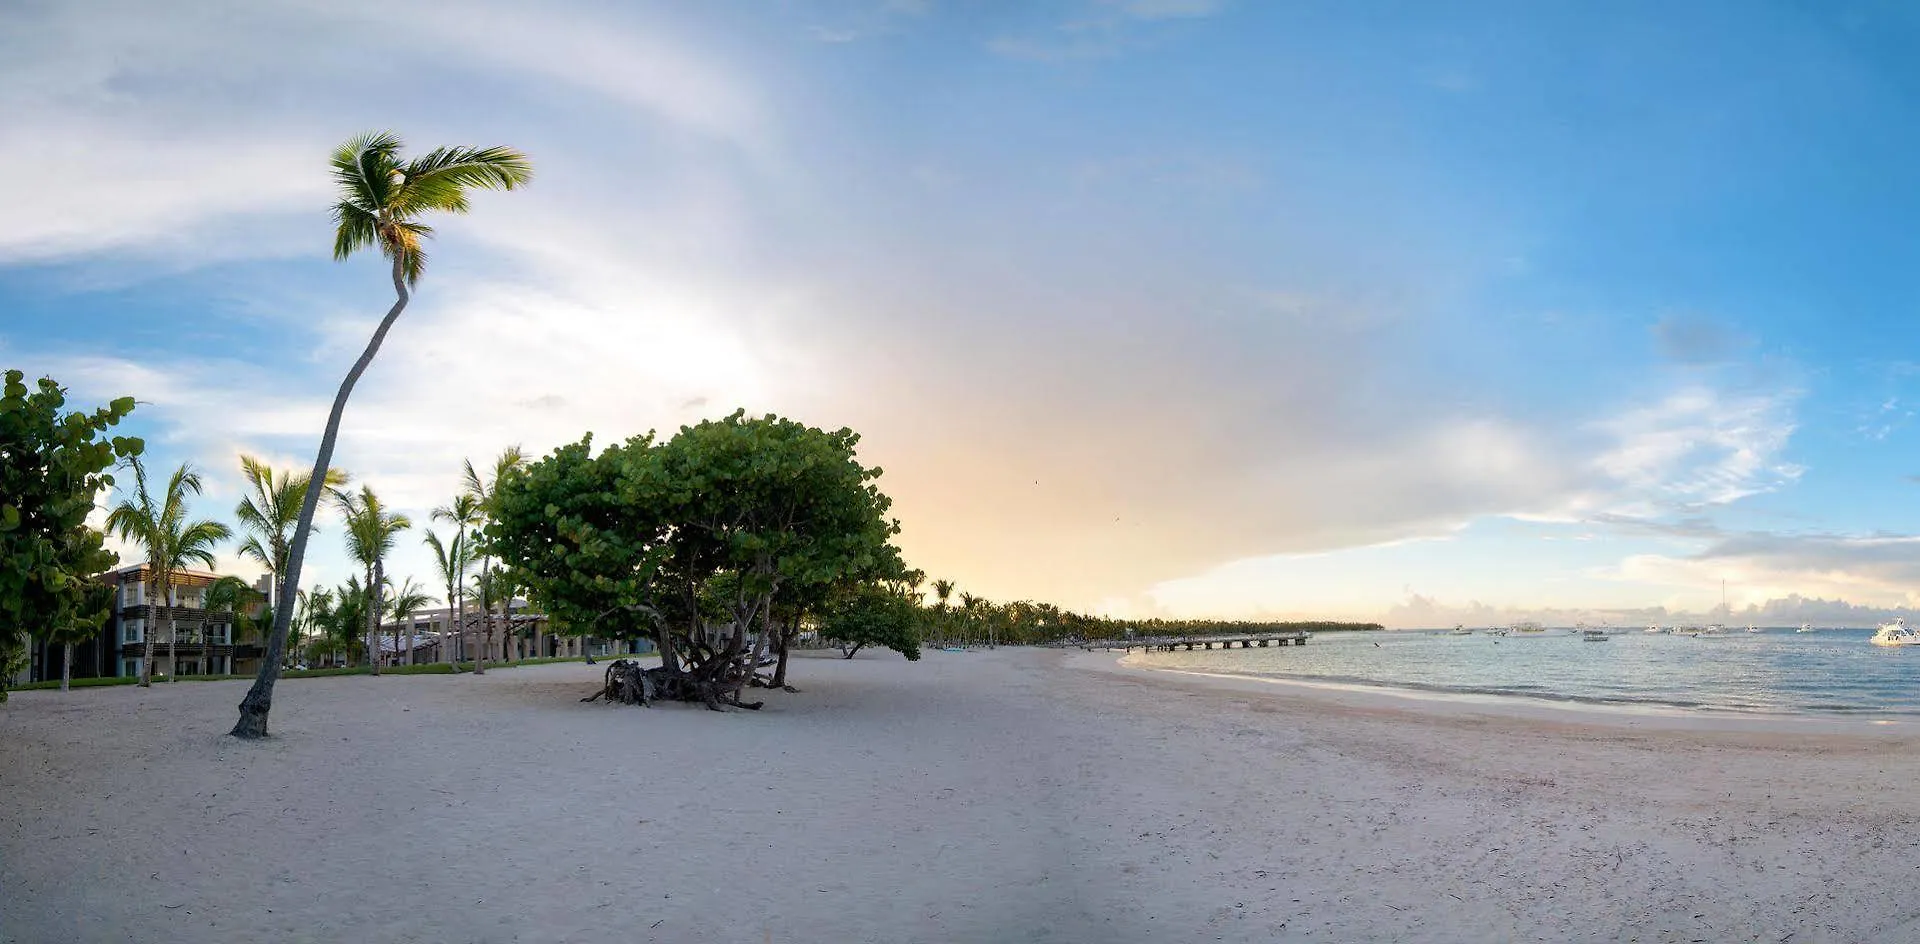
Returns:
(691, 540)
(53, 464)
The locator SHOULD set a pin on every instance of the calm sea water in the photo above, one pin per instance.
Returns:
(1779, 670)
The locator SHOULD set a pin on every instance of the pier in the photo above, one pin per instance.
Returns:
(1233, 642)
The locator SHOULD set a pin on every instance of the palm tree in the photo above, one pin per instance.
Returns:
(453, 560)
(407, 600)
(463, 513)
(942, 591)
(230, 594)
(482, 491)
(371, 530)
(970, 605)
(268, 514)
(170, 540)
(382, 202)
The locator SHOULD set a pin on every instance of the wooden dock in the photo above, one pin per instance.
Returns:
(1233, 642)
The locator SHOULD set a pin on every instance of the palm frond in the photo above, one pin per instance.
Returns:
(439, 179)
(364, 168)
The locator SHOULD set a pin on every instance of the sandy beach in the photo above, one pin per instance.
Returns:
(1012, 795)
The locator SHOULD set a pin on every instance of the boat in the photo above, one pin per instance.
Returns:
(1805, 628)
(1896, 633)
(1459, 630)
(1752, 628)
(1593, 635)
(1528, 629)
(1714, 630)
(1654, 630)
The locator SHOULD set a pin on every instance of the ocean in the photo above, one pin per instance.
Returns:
(1827, 672)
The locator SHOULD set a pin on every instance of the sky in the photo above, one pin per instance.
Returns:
(1189, 308)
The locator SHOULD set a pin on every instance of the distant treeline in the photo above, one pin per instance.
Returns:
(1184, 628)
(976, 619)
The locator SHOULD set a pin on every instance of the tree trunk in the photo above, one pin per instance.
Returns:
(173, 630)
(149, 629)
(375, 592)
(258, 704)
(66, 667)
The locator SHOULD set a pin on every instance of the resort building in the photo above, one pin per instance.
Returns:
(202, 640)
(522, 635)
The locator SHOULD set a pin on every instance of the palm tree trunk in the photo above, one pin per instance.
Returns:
(374, 578)
(149, 629)
(258, 704)
(173, 663)
(66, 667)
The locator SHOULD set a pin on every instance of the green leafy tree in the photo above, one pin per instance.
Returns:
(383, 201)
(693, 538)
(874, 615)
(161, 526)
(52, 465)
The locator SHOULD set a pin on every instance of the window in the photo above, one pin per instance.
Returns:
(218, 633)
(133, 631)
(129, 668)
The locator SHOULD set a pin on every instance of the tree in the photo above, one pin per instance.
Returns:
(479, 493)
(161, 528)
(268, 514)
(371, 531)
(874, 615)
(83, 621)
(407, 600)
(52, 465)
(452, 560)
(382, 202)
(692, 540)
(233, 596)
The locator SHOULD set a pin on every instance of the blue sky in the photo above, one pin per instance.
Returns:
(1155, 307)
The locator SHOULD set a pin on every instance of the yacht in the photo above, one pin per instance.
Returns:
(1714, 630)
(1654, 630)
(1896, 633)
(1528, 629)
(1752, 628)
(1805, 628)
(1593, 635)
(1459, 630)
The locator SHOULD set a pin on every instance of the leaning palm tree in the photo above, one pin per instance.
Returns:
(452, 560)
(383, 200)
(371, 530)
(463, 513)
(159, 526)
(268, 514)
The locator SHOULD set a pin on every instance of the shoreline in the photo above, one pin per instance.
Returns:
(1439, 703)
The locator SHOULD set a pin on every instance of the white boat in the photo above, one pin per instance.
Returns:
(1593, 635)
(1459, 630)
(1896, 633)
(1752, 628)
(1714, 630)
(1654, 629)
(1805, 628)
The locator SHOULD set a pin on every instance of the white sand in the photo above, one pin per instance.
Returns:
(1005, 796)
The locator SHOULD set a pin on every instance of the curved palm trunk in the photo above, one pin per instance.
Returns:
(255, 708)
